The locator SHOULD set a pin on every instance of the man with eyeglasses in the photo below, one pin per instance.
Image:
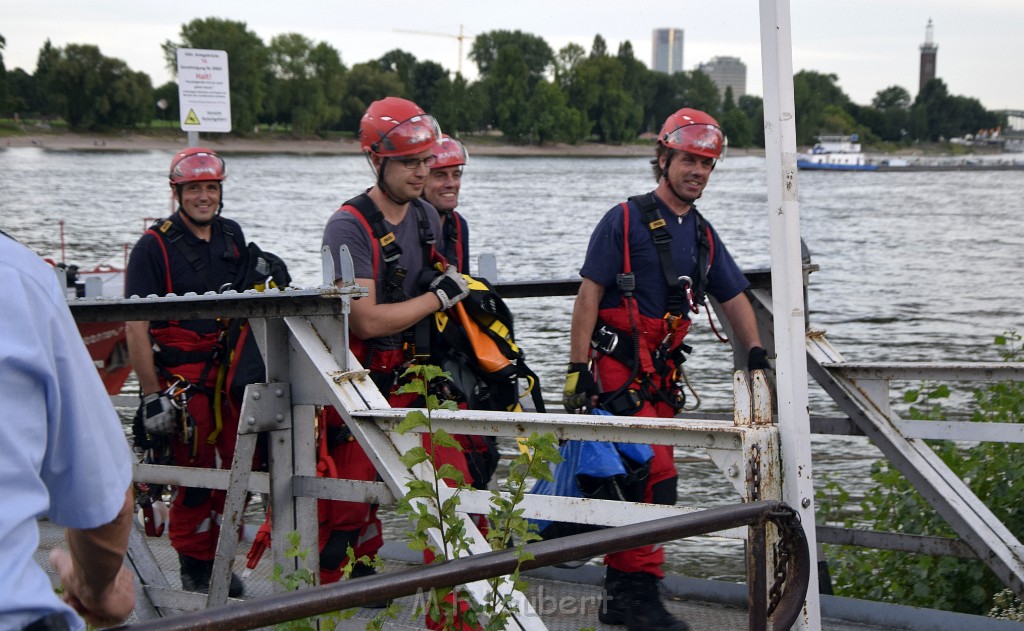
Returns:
(389, 232)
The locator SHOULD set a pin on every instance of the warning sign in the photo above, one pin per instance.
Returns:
(203, 90)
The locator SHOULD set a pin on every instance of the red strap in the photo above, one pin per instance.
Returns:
(711, 249)
(167, 262)
(457, 224)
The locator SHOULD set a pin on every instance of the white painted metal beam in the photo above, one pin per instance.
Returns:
(787, 277)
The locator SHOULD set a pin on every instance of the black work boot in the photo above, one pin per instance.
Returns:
(360, 570)
(614, 598)
(645, 611)
(195, 576)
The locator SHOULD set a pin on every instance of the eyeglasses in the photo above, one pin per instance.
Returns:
(414, 163)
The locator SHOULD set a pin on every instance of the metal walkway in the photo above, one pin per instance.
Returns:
(566, 600)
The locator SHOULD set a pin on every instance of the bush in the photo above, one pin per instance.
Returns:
(993, 471)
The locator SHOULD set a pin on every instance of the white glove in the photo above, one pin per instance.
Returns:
(450, 287)
(159, 414)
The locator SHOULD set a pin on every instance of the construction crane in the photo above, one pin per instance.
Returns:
(459, 37)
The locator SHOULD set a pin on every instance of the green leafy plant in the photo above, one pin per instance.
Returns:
(993, 471)
(432, 508)
(298, 579)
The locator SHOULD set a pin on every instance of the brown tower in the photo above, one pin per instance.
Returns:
(929, 51)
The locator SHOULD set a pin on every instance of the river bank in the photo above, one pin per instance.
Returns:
(295, 146)
(483, 146)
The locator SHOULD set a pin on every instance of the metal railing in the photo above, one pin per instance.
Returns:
(775, 608)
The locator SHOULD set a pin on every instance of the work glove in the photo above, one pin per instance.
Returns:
(449, 287)
(757, 359)
(159, 414)
(579, 388)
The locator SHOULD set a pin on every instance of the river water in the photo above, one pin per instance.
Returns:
(913, 266)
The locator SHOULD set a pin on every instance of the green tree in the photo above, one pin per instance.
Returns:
(737, 128)
(247, 64)
(596, 89)
(428, 78)
(640, 84)
(367, 83)
(812, 92)
(51, 100)
(402, 64)
(167, 94)
(461, 106)
(728, 101)
(702, 94)
(553, 119)
(96, 92)
(889, 114)
(667, 94)
(309, 82)
(753, 107)
(566, 62)
(5, 93)
(24, 97)
(510, 85)
(535, 52)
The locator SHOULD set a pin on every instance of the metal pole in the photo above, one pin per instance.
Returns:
(787, 281)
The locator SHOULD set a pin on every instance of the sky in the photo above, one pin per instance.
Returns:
(868, 44)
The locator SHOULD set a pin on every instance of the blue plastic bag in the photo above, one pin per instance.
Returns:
(592, 459)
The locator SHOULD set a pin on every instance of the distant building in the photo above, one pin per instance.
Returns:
(667, 50)
(929, 51)
(727, 72)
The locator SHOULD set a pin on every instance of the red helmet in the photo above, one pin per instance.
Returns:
(394, 127)
(196, 164)
(693, 131)
(449, 152)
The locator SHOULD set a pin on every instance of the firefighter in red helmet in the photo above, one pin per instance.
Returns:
(650, 263)
(177, 363)
(442, 191)
(389, 232)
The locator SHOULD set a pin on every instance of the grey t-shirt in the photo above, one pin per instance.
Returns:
(345, 228)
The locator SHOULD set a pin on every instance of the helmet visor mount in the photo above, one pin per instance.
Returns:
(198, 167)
(408, 137)
(450, 152)
(701, 140)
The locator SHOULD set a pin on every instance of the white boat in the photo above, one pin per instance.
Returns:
(835, 153)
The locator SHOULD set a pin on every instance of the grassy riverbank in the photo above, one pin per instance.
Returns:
(267, 142)
(270, 142)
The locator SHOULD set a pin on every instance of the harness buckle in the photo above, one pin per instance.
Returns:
(686, 284)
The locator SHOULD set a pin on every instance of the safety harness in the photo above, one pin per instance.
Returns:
(166, 231)
(416, 340)
(619, 336)
(453, 246)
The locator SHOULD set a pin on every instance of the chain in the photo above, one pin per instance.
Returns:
(785, 519)
(754, 488)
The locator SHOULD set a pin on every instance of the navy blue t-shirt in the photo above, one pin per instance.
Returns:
(604, 259)
(223, 255)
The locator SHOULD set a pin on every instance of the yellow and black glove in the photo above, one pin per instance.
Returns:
(579, 387)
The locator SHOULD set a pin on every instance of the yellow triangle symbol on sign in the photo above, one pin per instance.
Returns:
(191, 119)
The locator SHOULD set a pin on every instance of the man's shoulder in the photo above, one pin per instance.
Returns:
(21, 262)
